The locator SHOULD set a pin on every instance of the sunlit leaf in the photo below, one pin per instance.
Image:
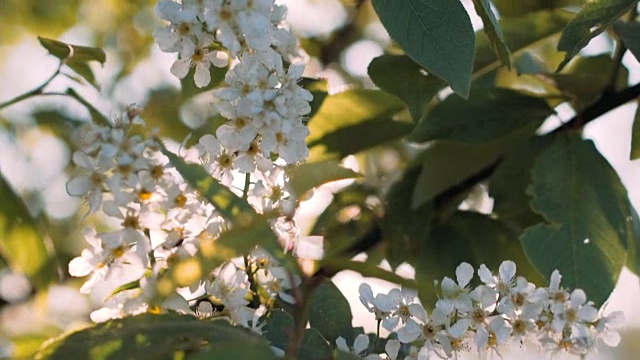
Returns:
(579, 195)
(339, 127)
(75, 56)
(635, 137)
(493, 30)
(401, 76)
(594, 18)
(22, 244)
(305, 177)
(436, 34)
(149, 336)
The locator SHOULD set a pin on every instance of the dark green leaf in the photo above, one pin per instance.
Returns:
(149, 336)
(314, 346)
(580, 196)
(330, 313)
(233, 351)
(635, 136)
(510, 181)
(448, 164)
(594, 18)
(401, 76)
(436, 34)
(305, 177)
(22, 243)
(339, 126)
(629, 33)
(341, 355)
(486, 116)
(493, 30)
(318, 88)
(633, 253)
(278, 328)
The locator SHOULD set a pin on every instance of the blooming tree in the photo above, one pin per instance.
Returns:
(203, 251)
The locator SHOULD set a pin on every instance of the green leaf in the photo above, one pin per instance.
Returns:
(68, 52)
(635, 137)
(487, 115)
(581, 197)
(305, 177)
(149, 336)
(594, 18)
(278, 328)
(22, 243)
(436, 34)
(629, 33)
(477, 238)
(318, 88)
(585, 79)
(330, 313)
(510, 8)
(75, 56)
(233, 351)
(314, 346)
(493, 30)
(366, 269)
(401, 76)
(347, 222)
(446, 165)
(225, 201)
(337, 128)
(520, 33)
(509, 183)
(633, 254)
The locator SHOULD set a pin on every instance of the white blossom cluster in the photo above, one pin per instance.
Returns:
(261, 99)
(503, 310)
(159, 221)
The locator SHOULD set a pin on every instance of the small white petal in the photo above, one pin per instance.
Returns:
(507, 270)
(392, 347)
(341, 343)
(202, 76)
(180, 68)
(464, 274)
(360, 344)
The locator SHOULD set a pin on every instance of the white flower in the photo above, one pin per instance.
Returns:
(576, 312)
(606, 325)
(230, 286)
(90, 185)
(403, 305)
(360, 344)
(381, 305)
(201, 58)
(492, 336)
(181, 31)
(458, 293)
(505, 279)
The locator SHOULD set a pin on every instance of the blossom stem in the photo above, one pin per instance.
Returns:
(35, 92)
(247, 182)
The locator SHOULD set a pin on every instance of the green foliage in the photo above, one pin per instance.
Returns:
(75, 56)
(586, 231)
(22, 243)
(493, 31)
(488, 114)
(629, 33)
(401, 76)
(508, 8)
(330, 314)
(594, 18)
(423, 30)
(305, 177)
(337, 128)
(314, 346)
(157, 337)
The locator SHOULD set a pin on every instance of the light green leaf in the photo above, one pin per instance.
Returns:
(594, 18)
(330, 313)
(149, 336)
(75, 56)
(307, 176)
(233, 351)
(629, 33)
(635, 136)
(436, 34)
(339, 127)
(401, 76)
(446, 165)
(510, 8)
(493, 30)
(22, 244)
(487, 115)
(581, 197)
